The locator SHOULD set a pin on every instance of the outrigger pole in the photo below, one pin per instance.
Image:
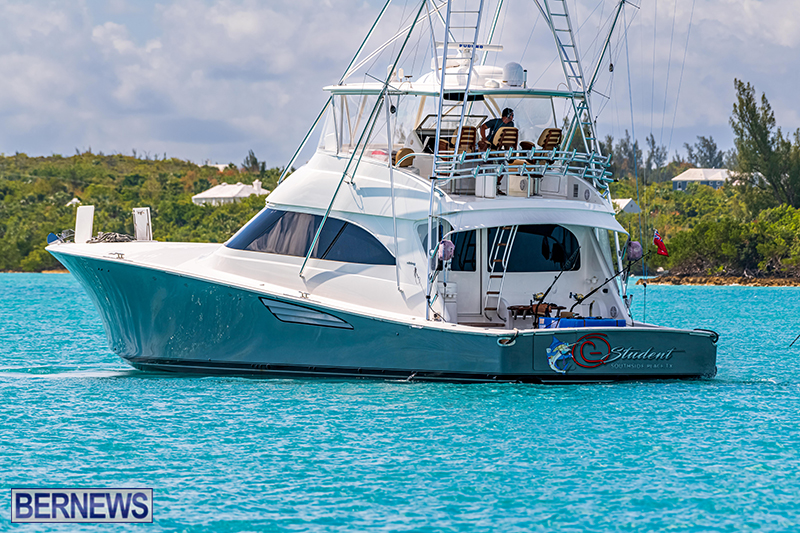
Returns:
(330, 99)
(491, 30)
(385, 45)
(605, 45)
(367, 127)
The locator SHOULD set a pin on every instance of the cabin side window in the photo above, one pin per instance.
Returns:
(540, 248)
(465, 257)
(290, 233)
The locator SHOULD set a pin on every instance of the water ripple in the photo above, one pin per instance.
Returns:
(240, 454)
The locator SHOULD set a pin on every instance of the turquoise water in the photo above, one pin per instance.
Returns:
(230, 454)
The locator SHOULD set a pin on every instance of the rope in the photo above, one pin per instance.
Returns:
(111, 237)
(653, 84)
(557, 58)
(666, 86)
(633, 135)
(610, 86)
(538, 17)
(680, 80)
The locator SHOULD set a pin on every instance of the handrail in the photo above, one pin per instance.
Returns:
(537, 163)
(579, 164)
(397, 164)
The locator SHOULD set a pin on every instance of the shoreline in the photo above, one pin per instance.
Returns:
(54, 271)
(720, 281)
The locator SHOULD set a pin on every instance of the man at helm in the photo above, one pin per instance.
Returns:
(493, 125)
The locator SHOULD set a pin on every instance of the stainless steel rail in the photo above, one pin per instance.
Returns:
(531, 163)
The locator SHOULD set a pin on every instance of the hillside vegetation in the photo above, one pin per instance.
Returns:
(34, 192)
(749, 227)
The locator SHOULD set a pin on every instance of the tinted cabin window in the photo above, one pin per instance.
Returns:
(288, 233)
(542, 248)
(354, 245)
(465, 255)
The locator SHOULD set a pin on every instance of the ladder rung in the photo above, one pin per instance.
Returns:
(490, 308)
(493, 276)
(497, 260)
(502, 244)
(492, 292)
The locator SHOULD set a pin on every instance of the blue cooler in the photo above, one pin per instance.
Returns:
(547, 322)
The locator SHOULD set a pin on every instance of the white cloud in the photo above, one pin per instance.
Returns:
(213, 79)
(113, 37)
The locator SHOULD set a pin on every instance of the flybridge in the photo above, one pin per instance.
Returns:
(461, 77)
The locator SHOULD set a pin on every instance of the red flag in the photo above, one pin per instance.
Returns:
(662, 250)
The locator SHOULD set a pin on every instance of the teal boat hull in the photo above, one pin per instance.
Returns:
(168, 321)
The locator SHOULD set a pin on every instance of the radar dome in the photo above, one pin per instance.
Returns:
(514, 75)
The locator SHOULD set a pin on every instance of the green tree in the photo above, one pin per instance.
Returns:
(654, 164)
(628, 156)
(34, 192)
(704, 153)
(766, 160)
(252, 165)
(607, 147)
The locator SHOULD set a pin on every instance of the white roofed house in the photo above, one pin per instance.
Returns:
(626, 205)
(713, 177)
(228, 193)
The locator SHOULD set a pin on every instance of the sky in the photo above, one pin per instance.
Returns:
(209, 80)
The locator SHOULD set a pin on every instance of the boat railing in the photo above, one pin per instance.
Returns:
(533, 164)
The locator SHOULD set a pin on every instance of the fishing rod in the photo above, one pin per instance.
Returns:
(580, 300)
(568, 264)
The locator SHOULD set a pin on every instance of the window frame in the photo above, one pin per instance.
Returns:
(567, 253)
(250, 234)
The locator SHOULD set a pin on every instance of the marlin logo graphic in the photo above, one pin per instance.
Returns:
(559, 355)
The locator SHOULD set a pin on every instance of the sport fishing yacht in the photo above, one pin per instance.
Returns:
(451, 225)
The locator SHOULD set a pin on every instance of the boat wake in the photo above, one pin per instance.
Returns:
(56, 372)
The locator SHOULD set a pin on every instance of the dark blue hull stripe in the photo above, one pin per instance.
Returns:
(287, 371)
